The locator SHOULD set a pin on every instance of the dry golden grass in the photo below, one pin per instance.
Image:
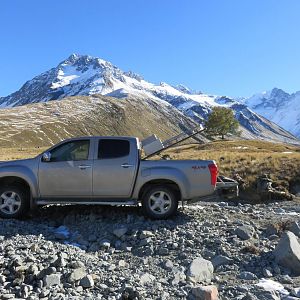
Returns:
(19, 153)
(247, 158)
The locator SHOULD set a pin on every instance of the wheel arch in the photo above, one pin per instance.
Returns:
(156, 182)
(15, 180)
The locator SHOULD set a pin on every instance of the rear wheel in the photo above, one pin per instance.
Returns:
(160, 202)
(14, 201)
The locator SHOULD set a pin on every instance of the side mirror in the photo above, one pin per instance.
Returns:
(46, 157)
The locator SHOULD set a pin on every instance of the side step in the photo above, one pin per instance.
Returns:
(111, 203)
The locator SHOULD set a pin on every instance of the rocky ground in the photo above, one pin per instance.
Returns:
(84, 252)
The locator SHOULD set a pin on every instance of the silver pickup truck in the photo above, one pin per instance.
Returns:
(103, 171)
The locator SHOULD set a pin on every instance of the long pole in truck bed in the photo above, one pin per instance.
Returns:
(167, 146)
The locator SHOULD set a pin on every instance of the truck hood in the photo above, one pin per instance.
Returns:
(19, 162)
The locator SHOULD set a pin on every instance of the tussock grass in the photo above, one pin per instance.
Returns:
(247, 158)
(19, 153)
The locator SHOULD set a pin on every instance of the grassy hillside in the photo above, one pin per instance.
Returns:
(44, 124)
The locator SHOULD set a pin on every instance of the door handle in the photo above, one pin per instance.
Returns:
(83, 167)
(126, 165)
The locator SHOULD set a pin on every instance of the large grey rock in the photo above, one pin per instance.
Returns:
(208, 292)
(52, 279)
(77, 274)
(295, 228)
(244, 232)
(200, 270)
(87, 281)
(287, 252)
(220, 260)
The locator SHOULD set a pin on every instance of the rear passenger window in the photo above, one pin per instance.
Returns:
(110, 148)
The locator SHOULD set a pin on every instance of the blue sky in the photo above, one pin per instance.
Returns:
(232, 47)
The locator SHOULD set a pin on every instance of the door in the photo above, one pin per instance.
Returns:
(69, 171)
(114, 168)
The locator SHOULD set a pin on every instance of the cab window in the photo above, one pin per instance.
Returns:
(113, 148)
(71, 151)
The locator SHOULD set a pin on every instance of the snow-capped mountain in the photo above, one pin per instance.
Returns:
(86, 75)
(278, 106)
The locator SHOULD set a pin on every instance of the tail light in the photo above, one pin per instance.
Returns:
(213, 168)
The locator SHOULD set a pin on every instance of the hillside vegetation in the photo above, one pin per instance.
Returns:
(247, 158)
(44, 124)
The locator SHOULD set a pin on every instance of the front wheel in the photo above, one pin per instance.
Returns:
(160, 202)
(14, 201)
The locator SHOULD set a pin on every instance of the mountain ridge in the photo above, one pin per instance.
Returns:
(86, 75)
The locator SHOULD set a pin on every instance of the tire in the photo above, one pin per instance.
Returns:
(14, 201)
(160, 202)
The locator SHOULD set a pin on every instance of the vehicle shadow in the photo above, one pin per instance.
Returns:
(92, 228)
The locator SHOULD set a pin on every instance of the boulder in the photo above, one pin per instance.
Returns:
(77, 274)
(208, 292)
(244, 232)
(52, 279)
(200, 270)
(287, 252)
(87, 281)
(220, 260)
(295, 228)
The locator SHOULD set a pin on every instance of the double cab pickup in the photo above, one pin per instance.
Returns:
(102, 171)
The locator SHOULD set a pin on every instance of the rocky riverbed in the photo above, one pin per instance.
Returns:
(86, 252)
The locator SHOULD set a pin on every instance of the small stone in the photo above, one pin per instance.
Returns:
(2, 279)
(244, 232)
(220, 260)
(145, 234)
(146, 278)
(287, 252)
(87, 281)
(76, 264)
(208, 292)
(46, 271)
(179, 276)
(52, 279)
(267, 273)
(59, 262)
(168, 265)
(162, 251)
(105, 244)
(8, 296)
(200, 270)
(247, 276)
(130, 294)
(122, 263)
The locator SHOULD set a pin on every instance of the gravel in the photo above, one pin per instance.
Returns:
(84, 252)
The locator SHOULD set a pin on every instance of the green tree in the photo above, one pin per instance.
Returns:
(221, 121)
